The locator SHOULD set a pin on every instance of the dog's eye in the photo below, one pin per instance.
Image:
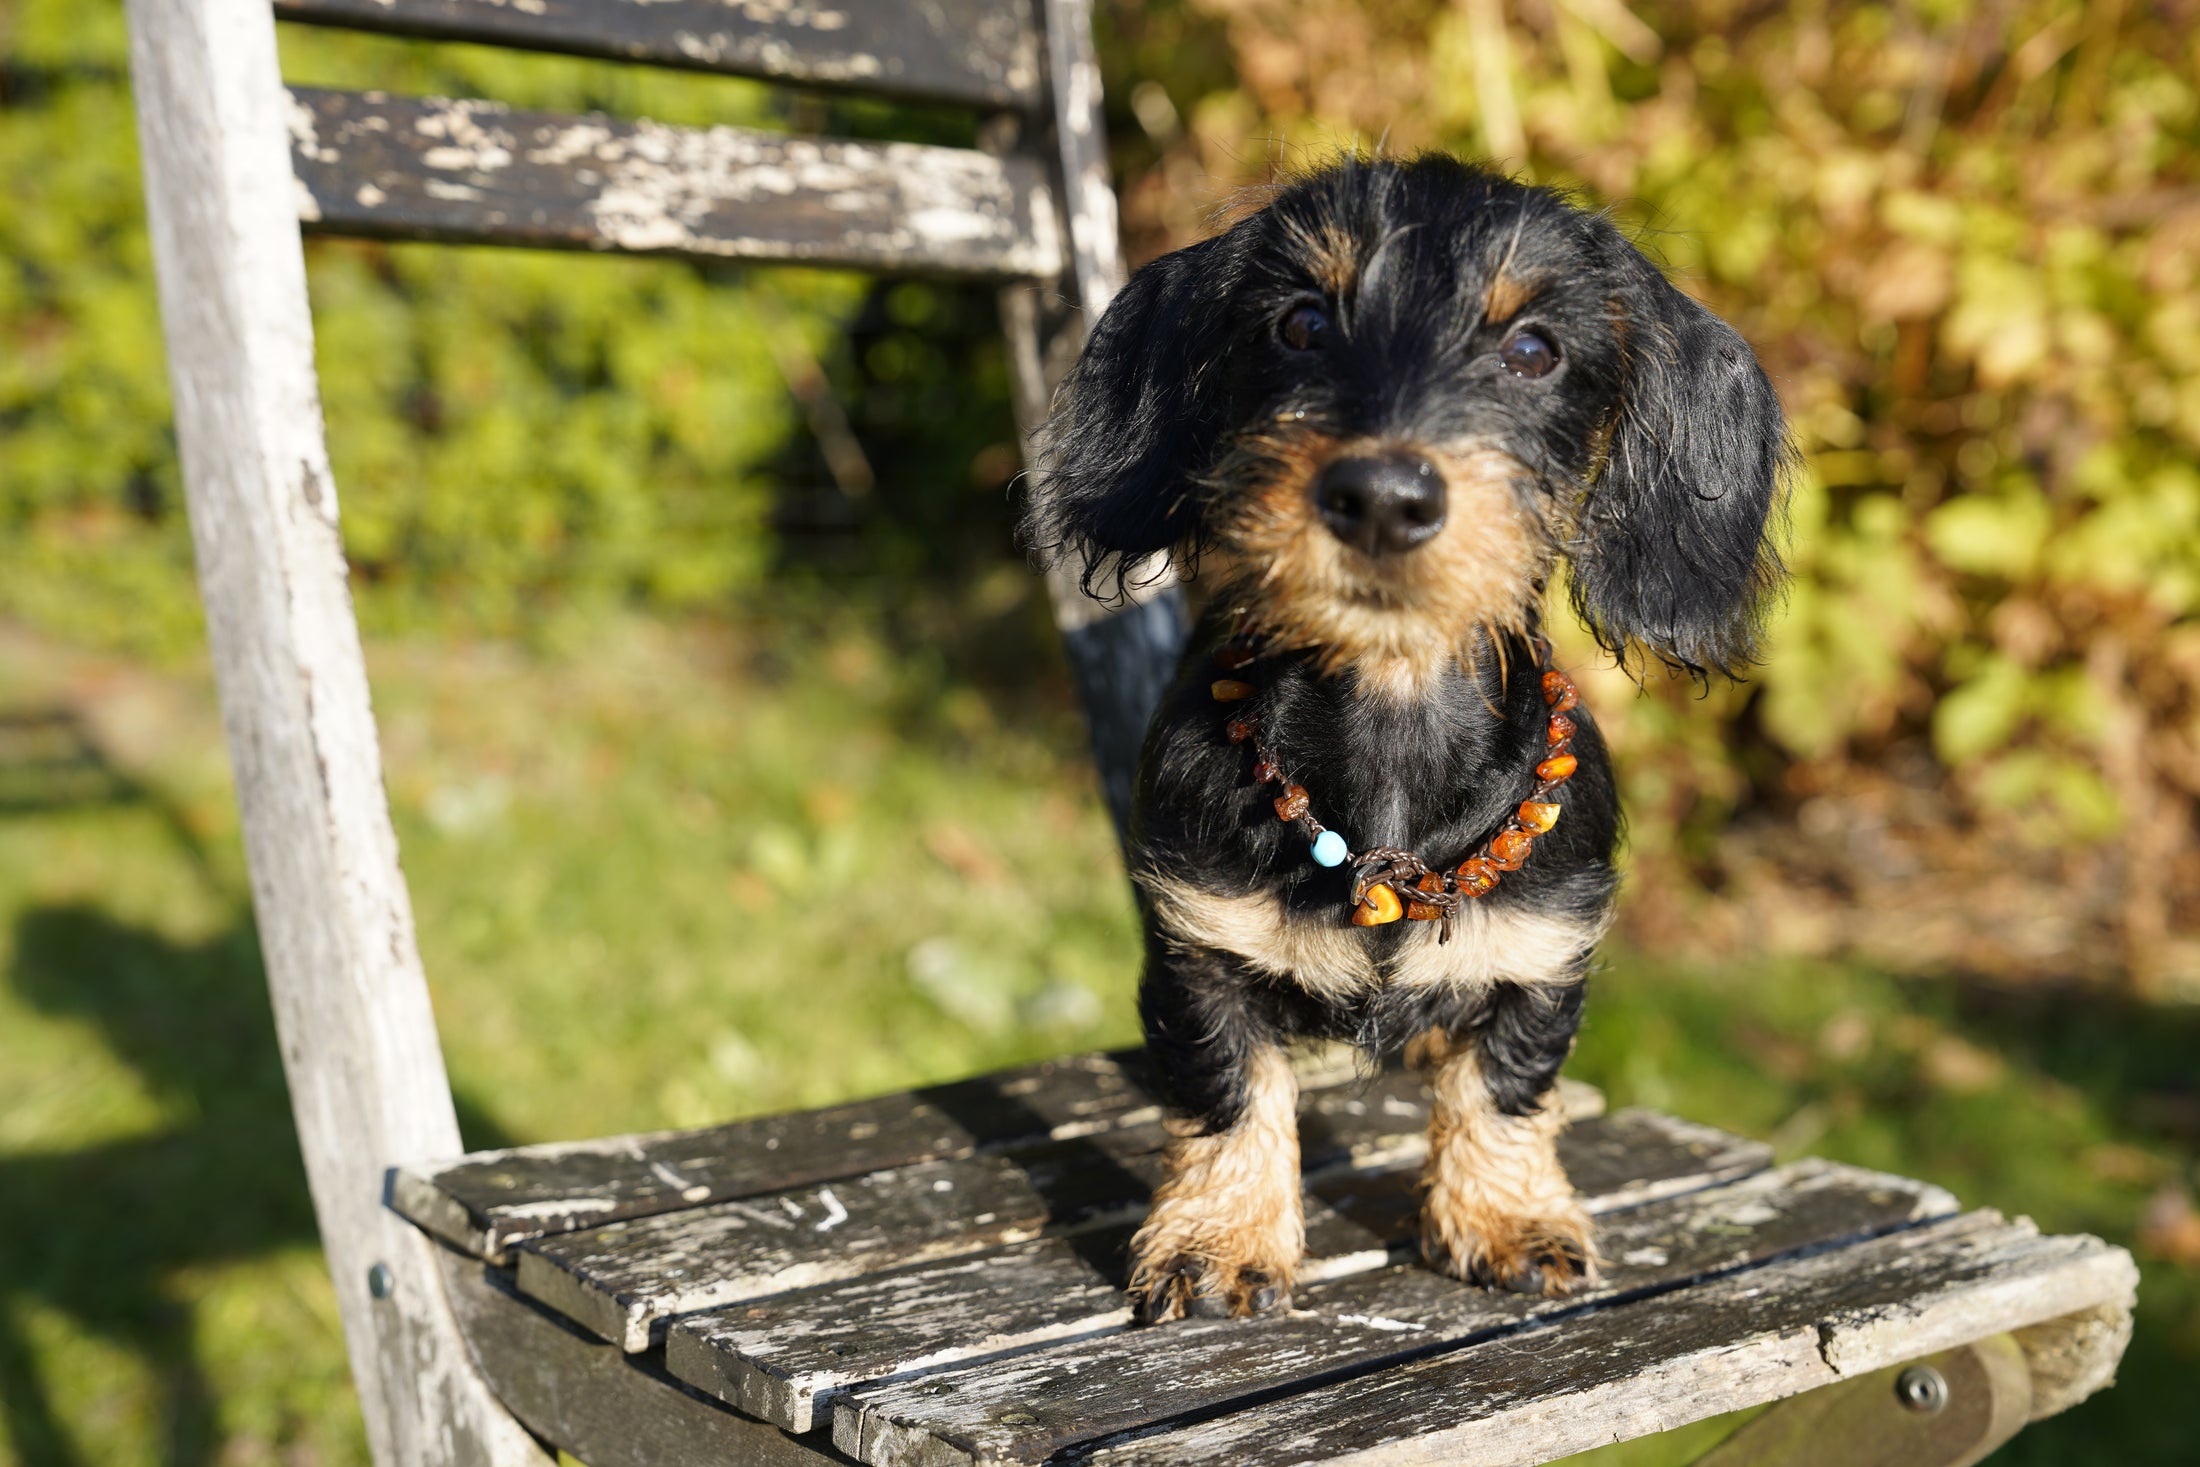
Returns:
(1527, 354)
(1304, 327)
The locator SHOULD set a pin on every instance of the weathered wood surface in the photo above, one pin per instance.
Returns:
(625, 1279)
(366, 1077)
(603, 1406)
(487, 1201)
(1611, 1374)
(477, 172)
(1027, 1408)
(979, 52)
(490, 1200)
(1081, 138)
(784, 1358)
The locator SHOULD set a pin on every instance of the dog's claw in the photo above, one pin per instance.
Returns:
(1187, 1288)
(1536, 1260)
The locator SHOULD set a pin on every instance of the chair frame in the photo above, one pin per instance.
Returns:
(367, 1080)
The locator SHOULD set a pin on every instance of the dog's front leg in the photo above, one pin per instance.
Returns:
(1225, 1232)
(1496, 1207)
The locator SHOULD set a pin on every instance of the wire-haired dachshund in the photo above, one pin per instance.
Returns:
(1381, 410)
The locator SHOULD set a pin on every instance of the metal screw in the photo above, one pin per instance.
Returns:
(380, 1281)
(1922, 1389)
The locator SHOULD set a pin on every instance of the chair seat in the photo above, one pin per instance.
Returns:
(936, 1277)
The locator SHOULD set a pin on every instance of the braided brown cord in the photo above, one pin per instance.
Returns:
(1428, 893)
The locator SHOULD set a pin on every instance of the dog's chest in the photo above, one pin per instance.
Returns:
(1430, 778)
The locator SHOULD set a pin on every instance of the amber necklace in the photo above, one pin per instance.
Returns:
(1433, 895)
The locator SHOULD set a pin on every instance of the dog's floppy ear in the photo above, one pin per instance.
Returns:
(1135, 418)
(1676, 547)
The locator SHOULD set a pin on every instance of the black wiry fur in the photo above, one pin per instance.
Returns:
(1653, 456)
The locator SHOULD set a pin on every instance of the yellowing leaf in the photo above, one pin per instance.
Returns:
(1981, 715)
(1998, 534)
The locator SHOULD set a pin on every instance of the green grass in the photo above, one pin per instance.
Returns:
(661, 879)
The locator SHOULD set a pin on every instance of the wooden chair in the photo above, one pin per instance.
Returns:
(927, 1278)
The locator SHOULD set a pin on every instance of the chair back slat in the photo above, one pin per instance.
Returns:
(980, 53)
(387, 167)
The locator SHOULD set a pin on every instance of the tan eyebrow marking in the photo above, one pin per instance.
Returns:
(1505, 296)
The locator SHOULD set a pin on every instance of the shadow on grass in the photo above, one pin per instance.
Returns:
(100, 1234)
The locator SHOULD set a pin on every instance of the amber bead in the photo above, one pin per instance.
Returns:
(1378, 905)
(1538, 815)
(1292, 803)
(1229, 689)
(1423, 911)
(1561, 729)
(1265, 770)
(1509, 849)
(1557, 767)
(1558, 691)
(1234, 655)
(1239, 729)
(1477, 875)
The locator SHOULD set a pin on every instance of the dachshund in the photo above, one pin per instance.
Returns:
(1375, 415)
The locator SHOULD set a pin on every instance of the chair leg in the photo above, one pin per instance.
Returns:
(366, 1076)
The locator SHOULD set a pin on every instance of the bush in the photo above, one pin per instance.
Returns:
(507, 427)
(1966, 241)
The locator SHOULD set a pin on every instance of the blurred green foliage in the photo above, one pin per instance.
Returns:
(507, 426)
(1964, 235)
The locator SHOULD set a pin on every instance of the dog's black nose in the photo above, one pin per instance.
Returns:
(1383, 506)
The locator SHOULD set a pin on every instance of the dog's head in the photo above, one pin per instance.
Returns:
(1393, 397)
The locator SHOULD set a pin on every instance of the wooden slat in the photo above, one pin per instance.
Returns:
(785, 1358)
(601, 1405)
(488, 1201)
(475, 172)
(1027, 1408)
(1608, 1375)
(624, 1280)
(491, 1200)
(978, 52)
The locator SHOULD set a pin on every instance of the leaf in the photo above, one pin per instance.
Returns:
(1982, 714)
(1995, 534)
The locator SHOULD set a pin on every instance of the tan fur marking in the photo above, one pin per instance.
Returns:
(1226, 1221)
(1497, 945)
(1336, 261)
(1496, 1207)
(1507, 293)
(1399, 623)
(1323, 958)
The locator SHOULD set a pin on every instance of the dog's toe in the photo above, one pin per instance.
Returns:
(1548, 1259)
(1192, 1288)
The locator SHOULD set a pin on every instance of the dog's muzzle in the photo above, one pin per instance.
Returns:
(1381, 506)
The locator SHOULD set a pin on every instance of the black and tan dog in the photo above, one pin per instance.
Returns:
(1381, 409)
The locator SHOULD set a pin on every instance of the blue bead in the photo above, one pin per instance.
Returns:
(1329, 849)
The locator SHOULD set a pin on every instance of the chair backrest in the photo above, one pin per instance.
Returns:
(236, 164)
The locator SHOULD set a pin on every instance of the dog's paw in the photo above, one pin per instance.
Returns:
(1552, 1257)
(1188, 1286)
